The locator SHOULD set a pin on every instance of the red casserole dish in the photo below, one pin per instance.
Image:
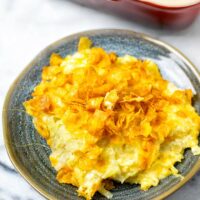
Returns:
(150, 13)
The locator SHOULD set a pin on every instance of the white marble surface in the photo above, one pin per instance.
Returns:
(26, 27)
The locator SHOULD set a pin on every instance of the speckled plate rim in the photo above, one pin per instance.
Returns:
(18, 166)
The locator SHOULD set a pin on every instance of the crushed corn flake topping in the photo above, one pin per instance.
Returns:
(111, 118)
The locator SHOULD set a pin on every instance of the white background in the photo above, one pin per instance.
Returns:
(27, 26)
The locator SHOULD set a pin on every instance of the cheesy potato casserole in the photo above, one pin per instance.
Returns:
(108, 118)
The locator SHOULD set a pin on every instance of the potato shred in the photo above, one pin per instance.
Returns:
(111, 118)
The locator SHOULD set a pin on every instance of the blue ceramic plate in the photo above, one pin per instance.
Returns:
(29, 152)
